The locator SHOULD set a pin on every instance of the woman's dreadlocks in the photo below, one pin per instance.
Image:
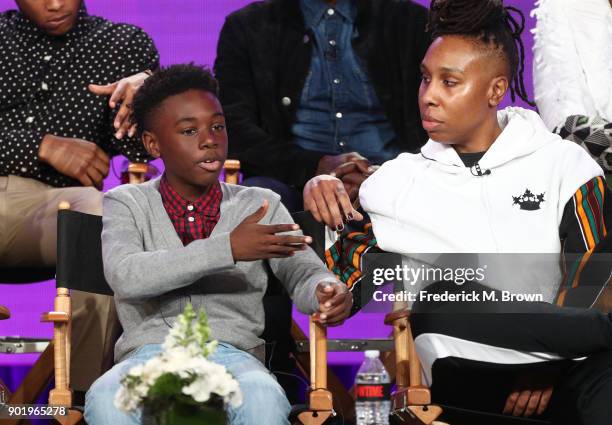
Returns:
(489, 22)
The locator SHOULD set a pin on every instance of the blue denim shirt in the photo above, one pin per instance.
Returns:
(339, 110)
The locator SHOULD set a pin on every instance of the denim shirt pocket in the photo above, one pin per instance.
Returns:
(367, 94)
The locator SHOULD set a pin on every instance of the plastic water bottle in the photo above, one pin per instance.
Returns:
(372, 391)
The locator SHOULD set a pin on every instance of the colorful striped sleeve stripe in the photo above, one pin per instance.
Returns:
(588, 208)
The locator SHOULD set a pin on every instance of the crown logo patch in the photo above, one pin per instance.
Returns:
(529, 201)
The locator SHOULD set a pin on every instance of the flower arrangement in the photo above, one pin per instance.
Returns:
(181, 378)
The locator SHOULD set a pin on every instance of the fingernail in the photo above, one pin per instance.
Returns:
(333, 174)
(350, 216)
(308, 239)
(323, 316)
(118, 135)
(371, 169)
(295, 227)
(340, 227)
(328, 304)
(131, 133)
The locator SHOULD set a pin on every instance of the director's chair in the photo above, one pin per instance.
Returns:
(40, 374)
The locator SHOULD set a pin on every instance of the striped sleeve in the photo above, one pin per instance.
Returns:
(584, 234)
(345, 257)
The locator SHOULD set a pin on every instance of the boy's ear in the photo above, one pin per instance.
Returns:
(497, 90)
(150, 143)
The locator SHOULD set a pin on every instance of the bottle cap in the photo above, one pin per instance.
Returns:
(372, 354)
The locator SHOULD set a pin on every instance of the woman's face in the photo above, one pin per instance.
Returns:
(463, 82)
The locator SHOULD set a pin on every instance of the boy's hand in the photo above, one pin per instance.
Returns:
(335, 302)
(252, 241)
(326, 198)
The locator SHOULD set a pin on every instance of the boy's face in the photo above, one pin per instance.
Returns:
(461, 87)
(188, 133)
(55, 17)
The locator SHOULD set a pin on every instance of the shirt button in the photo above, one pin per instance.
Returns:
(44, 86)
(332, 42)
(286, 101)
(338, 114)
(330, 12)
(342, 143)
(47, 58)
(336, 80)
(191, 219)
(190, 207)
(29, 120)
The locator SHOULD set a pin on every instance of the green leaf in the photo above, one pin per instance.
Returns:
(166, 386)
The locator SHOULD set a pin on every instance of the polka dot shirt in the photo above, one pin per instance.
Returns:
(43, 89)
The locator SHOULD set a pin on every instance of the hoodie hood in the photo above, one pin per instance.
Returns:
(523, 132)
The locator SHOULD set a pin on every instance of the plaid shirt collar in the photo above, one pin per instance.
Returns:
(207, 205)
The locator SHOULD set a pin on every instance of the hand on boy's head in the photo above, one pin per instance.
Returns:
(122, 91)
(328, 201)
(335, 302)
(252, 241)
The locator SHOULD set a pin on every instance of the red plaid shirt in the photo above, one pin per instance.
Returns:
(191, 220)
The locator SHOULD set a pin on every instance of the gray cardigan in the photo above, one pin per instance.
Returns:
(153, 275)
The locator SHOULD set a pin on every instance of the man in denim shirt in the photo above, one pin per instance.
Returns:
(314, 87)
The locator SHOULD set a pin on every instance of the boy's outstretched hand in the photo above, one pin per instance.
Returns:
(252, 241)
(335, 302)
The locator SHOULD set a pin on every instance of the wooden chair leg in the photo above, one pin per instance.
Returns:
(36, 380)
(343, 402)
(62, 394)
(411, 400)
(320, 401)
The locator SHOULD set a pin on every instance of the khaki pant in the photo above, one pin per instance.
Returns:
(28, 237)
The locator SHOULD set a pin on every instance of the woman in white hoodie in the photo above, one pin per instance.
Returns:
(491, 181)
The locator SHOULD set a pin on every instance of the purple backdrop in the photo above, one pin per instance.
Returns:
(182, 33)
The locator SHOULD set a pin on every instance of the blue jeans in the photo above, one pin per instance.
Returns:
(264, 401)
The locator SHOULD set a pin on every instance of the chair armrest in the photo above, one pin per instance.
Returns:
(55, 317)
(392, 317)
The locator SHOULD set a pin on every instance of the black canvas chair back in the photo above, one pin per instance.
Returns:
(79, 253)
(313, 229)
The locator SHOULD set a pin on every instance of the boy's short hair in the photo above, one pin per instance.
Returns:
(166, 82)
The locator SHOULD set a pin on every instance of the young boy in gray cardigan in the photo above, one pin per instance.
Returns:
(185, 237)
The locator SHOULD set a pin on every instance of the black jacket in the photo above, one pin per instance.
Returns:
(263, 58)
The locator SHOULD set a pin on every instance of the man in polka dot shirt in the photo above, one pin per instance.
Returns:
(57, 134)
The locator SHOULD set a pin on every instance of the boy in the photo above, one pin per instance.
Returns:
(187, 237)
(493, 182)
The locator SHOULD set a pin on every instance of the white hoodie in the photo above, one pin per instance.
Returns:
(431, 202)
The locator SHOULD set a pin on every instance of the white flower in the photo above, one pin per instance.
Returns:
(185, 350)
